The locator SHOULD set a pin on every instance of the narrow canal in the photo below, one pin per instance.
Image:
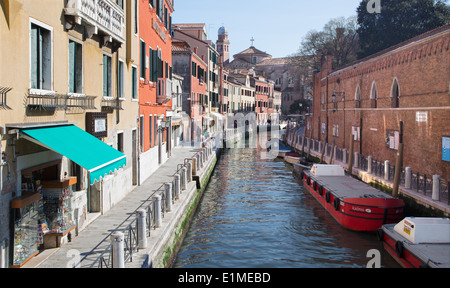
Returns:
(255, 213)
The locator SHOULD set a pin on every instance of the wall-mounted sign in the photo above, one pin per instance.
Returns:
(421, 116)
(392, 139)
(96, 124)
(356, 131)
(446, 149)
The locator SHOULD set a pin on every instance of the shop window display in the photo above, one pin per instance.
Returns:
(42, 215)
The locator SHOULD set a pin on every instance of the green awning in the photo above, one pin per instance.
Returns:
(79, 146)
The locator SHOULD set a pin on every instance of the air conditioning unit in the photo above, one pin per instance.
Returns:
(163, 90)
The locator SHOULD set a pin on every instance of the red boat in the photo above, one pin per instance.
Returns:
(353, 204)
(418, 242)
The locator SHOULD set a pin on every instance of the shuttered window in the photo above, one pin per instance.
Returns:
(120, 92)
(142, 55)
(41, 58)
(107, 81)
(75, 67)
(133, 82)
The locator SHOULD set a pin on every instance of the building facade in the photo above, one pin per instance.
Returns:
(399, 94)
(68, 91)
(193, 69)
(155, 82)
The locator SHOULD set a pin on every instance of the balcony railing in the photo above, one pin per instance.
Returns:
(104, 15)
(164, 90)
(54, 101)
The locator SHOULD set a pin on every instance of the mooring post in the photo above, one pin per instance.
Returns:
(435, 194)
(157, 207)
(141, 215)
(408, 177)
(118, 250)
(177, 186)
(386, 169)
(168, 191)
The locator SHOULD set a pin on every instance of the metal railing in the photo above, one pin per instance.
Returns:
(420, 182)
(131, 236)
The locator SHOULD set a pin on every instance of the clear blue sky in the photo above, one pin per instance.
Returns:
(278, 27)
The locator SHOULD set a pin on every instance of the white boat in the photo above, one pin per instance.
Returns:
(420, 242)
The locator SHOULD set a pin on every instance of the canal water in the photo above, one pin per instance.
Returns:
(256, 214)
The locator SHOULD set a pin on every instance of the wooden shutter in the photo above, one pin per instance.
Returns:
(34, 56)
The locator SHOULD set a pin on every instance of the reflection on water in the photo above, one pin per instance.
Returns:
(255, 213)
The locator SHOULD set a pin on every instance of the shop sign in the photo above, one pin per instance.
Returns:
(96, 124)
(392, 139)
(446, 149)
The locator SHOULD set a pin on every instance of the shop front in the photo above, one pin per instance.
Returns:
(68, 163)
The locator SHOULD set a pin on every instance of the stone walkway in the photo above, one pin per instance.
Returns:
(95, 238)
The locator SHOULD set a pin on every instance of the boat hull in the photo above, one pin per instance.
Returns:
(397, 251)
(358, 214)
(291, 159)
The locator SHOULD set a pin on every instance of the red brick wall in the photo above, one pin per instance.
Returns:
(421, 68)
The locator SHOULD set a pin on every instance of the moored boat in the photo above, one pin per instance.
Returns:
(282, 151)
(420, 242)
(353, 204)
(302, 166)
(292, 157)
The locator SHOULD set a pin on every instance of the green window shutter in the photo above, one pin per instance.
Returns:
(35, 63)
(105, 75)
(72, 66)
(154, 65)
(150, 55)
(160, 68)
(120, 80)
(142, 59)
(167, 69)
(133, 83)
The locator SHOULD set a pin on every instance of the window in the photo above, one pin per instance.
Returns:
(395, 94)
(166, 20)
(373, 95)
(142, 75)
(135, 17)
(120, 93)
(155, 128)
(134, 93)
(141, 132)
(358, 97)
(107, 81)
(41, 57)
(120, 3)
(75, 67)
(120, 141)
(151, 130)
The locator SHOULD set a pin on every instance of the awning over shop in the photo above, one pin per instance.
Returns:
(79, 146)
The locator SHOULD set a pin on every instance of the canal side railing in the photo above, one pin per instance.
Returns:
(125, 242)
(431, 186)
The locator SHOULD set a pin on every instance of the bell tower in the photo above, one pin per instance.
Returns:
(223, 44)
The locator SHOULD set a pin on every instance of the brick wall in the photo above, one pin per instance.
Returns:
(420, 69)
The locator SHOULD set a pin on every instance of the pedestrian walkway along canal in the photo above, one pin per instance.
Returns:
(255, 213)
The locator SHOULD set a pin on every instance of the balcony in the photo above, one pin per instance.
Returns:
(163, 90)
(103, 15)
(49, 101)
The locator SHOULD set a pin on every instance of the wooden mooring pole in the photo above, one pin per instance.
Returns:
(398, 163)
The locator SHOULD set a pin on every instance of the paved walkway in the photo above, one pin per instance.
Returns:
(94, 239)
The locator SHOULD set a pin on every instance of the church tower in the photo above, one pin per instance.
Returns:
(223, 44)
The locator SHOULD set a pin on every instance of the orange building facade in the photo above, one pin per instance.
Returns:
(155, 84)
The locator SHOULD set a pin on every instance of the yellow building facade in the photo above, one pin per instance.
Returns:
(66, 64)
